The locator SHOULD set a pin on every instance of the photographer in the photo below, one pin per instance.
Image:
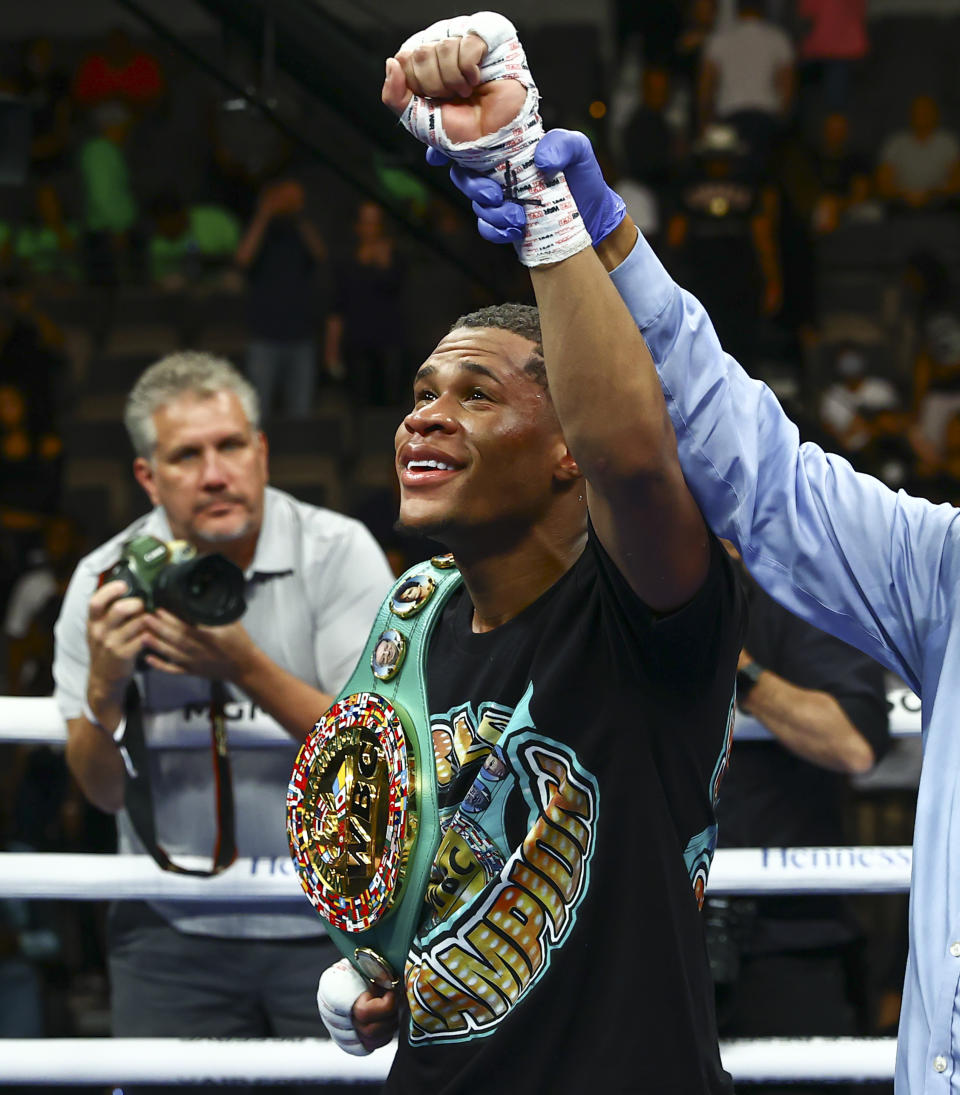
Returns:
(312, 581)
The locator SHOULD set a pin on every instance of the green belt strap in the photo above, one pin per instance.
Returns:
(392, 668)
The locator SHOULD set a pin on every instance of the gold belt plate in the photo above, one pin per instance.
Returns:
(351, 816)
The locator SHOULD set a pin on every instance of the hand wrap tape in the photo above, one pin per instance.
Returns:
(554, 229)
(339, 987)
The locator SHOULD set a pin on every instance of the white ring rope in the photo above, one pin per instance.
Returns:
(114, 1061)
(76, 877)
(826, 1060)
(36, 720)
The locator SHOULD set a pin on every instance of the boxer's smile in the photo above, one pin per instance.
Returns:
(425, 465)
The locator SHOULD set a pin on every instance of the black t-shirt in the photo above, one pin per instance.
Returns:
(836, 173)
(370, 300)
(579, 747)
(772, 797)
(647, 146)
(281, 297)
(718, 262)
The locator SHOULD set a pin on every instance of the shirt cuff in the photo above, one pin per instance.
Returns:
(643, 283)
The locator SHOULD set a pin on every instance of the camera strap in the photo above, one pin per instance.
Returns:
(138, 797)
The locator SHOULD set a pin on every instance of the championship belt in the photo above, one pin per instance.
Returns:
(362, 815)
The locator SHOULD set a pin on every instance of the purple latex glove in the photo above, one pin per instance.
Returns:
(564, 150)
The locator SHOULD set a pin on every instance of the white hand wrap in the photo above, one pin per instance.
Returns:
(554, 229)
(337, 992)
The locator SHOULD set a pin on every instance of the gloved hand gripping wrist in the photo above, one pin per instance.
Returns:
(554, 229)
(501, 221)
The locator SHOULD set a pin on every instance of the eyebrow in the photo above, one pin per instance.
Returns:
(468, 366)
(195, 446)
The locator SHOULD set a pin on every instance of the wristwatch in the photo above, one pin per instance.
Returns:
(747, 677)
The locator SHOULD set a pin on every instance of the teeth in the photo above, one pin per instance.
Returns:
(438, 464)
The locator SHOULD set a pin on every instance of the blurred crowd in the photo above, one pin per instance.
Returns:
(741, 158)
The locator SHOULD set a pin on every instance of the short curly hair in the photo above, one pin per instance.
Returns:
(521, 319)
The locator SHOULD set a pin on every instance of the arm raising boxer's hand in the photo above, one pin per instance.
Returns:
(500, 220)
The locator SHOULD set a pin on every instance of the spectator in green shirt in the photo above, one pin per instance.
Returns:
(189, 241)
(110, 215)
(44, 246)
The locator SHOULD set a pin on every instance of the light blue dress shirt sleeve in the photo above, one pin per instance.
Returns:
(874, 567)
(839, 548)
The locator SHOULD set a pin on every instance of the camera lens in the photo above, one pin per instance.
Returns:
(199, 584)
(205, 590)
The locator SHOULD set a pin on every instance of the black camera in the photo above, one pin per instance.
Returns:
(199, 589)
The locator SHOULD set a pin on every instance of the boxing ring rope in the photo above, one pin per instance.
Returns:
(174, 1061)
(735, 871)
(110, 1061)
(35, 720)
(171, 1061)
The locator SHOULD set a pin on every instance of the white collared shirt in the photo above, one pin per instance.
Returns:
(313, 590)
